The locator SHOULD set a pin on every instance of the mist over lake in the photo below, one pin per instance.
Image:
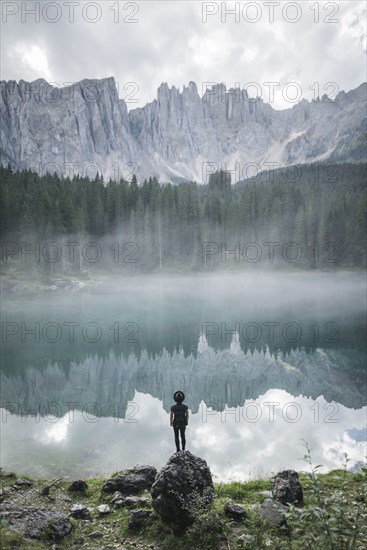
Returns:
(265, 359)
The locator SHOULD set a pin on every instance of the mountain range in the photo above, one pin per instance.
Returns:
(85, 128)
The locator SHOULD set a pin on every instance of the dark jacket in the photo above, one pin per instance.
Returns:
(179, 415)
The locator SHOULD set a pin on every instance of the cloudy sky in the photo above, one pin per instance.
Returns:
(145, 43)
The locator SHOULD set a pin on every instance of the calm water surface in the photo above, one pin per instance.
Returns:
(265, 360)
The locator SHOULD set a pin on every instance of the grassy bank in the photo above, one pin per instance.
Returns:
(334, 516)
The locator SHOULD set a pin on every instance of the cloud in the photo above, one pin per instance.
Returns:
(170, 42)
(32, 60)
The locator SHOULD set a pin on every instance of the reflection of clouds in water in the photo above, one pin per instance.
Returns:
(270, 446)
(57, 433)
(358, 435)
(356, 450)
(233, 447)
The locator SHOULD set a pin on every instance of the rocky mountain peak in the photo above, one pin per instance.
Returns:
(173, 136)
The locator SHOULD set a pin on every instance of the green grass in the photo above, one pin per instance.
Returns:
(243, 491)
(10, 539)
(334, 517)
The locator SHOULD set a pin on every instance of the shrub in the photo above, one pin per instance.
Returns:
(337, 520)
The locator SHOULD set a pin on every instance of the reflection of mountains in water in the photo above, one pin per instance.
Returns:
(223, 377)
(187, 336)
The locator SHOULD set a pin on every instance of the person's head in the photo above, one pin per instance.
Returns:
(179, 396)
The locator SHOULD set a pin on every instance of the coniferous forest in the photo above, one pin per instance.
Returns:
(308, 217)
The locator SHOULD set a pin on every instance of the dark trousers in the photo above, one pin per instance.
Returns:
(180, 430)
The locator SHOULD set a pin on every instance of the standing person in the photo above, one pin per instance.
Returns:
(179, 419)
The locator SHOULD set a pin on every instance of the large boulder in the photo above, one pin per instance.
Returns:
(183, 487)
(287, 488)
(131, 481)
(273, 512)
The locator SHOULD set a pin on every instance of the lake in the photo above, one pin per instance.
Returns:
(266, 360)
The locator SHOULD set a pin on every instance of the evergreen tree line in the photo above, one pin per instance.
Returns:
(312, 218)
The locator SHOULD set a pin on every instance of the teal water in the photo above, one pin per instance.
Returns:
(265, 360)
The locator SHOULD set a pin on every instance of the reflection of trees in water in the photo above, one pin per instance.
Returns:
(217, 377)
(189, 336)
